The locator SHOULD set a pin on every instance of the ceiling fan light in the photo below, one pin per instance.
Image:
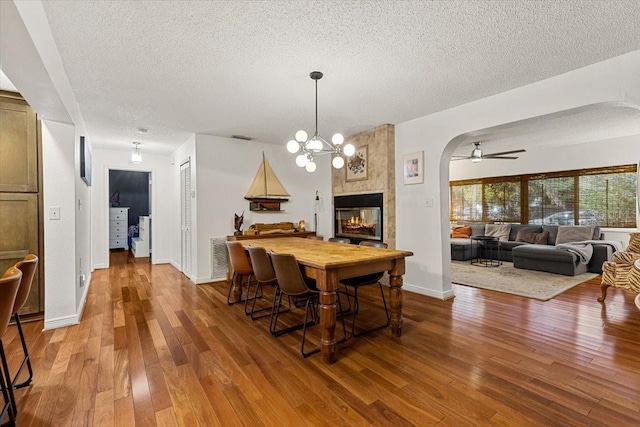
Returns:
(476, 159)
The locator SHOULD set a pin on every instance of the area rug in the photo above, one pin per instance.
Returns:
(527, 283)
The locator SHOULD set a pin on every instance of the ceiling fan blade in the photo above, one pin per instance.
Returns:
(499, 157)
(504, 152)
(453, 158)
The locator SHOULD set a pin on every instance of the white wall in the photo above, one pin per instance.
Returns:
(225, 170)
(162, 197)
(424, 230)
(83, 227)
(60, 293)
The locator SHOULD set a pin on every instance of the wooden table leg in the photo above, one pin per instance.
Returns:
(395, 297)
(237, 288)
(327, 284)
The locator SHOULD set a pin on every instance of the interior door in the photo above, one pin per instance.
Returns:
(185, 216)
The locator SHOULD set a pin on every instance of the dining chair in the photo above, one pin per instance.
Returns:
(264, 274)
(28, 267)
(292, 283)
(356, 283)
(241, 268)
(344, 240)
(9, 284)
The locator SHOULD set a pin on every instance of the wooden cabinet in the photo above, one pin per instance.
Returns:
(118, 228)
(18, 147)
(20, 192)
(140, 244)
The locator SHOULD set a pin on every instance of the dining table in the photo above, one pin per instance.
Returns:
(328, 263)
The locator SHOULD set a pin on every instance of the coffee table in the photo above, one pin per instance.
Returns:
(487, 251)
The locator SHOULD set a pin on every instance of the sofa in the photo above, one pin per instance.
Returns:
(543, 256)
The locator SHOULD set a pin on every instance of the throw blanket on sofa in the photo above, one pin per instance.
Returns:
(584, 249)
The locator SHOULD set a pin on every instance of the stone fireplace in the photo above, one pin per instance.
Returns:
(379, 181)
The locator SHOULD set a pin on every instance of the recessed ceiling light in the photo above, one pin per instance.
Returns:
(143, 131)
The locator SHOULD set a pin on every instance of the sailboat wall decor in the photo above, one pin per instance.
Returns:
(266, 192)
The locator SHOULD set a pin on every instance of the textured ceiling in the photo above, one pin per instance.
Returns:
(233, 67)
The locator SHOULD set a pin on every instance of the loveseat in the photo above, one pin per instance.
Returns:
(542, 255)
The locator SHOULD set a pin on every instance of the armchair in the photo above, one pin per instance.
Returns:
(624, 271)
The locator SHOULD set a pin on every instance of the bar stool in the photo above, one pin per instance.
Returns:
(28, 267)
(9, 284)
(356, 283)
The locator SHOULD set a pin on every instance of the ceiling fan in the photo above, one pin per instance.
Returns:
(477, 155)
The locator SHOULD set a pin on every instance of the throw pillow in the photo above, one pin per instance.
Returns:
(573, 233)
(461, 232)
(535, 238)
(501, 231)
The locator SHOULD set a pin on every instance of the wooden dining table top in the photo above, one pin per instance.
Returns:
(326, 255)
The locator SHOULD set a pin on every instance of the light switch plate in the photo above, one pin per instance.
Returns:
(54, 213)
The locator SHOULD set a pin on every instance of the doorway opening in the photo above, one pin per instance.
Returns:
(130, 213)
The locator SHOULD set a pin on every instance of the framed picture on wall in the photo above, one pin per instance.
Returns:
(357, 165)
(413, 168)
(85, 162)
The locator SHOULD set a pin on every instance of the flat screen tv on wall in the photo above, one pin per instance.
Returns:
(85, 162)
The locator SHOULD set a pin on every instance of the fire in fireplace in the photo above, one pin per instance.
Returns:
(359, 217)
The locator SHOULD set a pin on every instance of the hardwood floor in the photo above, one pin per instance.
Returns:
(153, 349)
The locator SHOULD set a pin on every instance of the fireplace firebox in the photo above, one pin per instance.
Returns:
(358, 217)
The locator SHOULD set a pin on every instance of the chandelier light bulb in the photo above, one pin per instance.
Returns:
(293, 146)
(337, 162)
(349, 150)
(301, 160)
(315, 144)
(337, 139)
(310, 167)
(301, 136)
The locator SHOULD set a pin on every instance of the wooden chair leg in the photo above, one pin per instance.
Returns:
(603, 289)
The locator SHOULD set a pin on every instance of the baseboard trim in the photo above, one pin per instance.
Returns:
(175, 265)
(428, 292)
(163, 261)
(61, 322)
(100, 266)
(209, 280)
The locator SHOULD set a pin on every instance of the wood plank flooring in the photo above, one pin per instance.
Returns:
(154, 349)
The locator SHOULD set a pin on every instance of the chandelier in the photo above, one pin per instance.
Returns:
(136, 154)
(308, 148)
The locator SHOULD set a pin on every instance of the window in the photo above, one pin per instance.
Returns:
(466, 202)
(501, 201)
(605, 197)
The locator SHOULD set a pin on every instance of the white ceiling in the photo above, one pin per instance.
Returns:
(242, 67)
